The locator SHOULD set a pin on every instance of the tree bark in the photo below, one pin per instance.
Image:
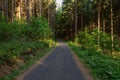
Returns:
(40, 9)
(76, 18)
(99, 11)
(33, 9)
(12, 15)
(48, 13)
(2, 9)
(104, 21)
(112, 38)
(6, 9)
(82, 20)
(28, 11)
(21, 8)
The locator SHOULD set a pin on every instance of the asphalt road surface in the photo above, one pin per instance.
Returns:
(59, 65)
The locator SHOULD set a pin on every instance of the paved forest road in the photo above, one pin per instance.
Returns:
(59, 65)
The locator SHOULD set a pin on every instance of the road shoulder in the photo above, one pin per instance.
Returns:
(81, 66)
(39, 62)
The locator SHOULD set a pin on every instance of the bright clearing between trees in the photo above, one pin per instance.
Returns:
(59, 3)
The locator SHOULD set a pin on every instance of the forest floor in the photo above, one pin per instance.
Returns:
(60, 64)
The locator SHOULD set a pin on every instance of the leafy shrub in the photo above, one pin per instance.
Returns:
(5, 32)
(8, 50)
(103, 67)
(90, 40)
(2, 17)
(87, 39)
(9, 31)
(39, 29)
(18, 37)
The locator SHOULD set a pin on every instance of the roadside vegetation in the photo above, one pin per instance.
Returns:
(21, 43)
(102, 64)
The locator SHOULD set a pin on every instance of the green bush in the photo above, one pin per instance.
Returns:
(90, 40)
(103, 67)
(87, 39)
(2, 17)
(10, 31)
(39, 29)
(5, 32)
(9, 50)
(18, 37)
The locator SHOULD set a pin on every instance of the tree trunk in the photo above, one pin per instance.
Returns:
(28, 11)
(40, 9)
(33, 9)
(76, 18)
(99, 11)
(48, 13)
(104, 21)
(6, 9)
(21, 8)
(2, 9)
(12, 15)
(82, 20)
(112, 38)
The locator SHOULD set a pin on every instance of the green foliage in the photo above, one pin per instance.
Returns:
(103, 67)
(9, 50)
(20, 41)
(5, 32)
(37, 30)
(90, 39)
(12, 30)
(25, 66)
(17, 37)
(2, 17)
(40, 28)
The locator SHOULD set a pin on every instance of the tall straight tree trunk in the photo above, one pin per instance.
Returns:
(2, 7)
(71, 31)
(76, 18)
(28, 11)
(99, 11)
(14, 7)
(40, 9)
(21, 8)
(112, 38)
(6, 9)
(48, 13)
(104, 21)
(12, 15)
(82, 20)
(18, 11)
(33, 8)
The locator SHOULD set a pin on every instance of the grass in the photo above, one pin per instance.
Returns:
(102, 67)
(25, 66)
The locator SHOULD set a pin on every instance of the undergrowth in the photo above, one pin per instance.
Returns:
(20, 43)
(25, 66)
(102, 67)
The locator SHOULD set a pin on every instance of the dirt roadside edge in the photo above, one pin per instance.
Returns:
(81, 66)
(39, 62)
